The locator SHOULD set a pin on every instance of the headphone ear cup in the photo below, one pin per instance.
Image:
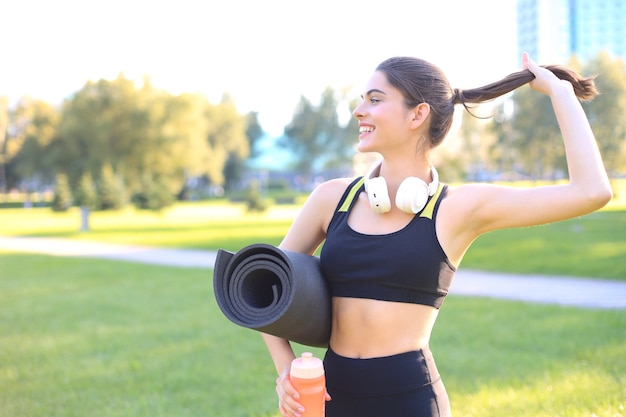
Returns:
(378, 194)
(412, 195)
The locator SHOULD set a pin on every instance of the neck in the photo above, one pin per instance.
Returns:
(396, 170)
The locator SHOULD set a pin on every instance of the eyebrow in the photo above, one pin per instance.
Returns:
(373, 90)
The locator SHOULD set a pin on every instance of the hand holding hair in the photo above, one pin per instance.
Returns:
(584, 87)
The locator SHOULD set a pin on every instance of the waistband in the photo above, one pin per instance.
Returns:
(380, 376)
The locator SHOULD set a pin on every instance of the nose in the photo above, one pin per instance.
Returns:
(358, 112)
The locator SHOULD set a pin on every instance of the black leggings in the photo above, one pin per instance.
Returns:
(403, 385)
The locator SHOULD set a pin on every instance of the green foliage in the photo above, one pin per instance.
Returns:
(254, 132)
(225, 136)
(254, 200)
(316, 137)
(111, 190)
(62, 199)
(233, 172)
(135, 129)
(86, 194)
(606, 112)
(85, 337)
(154, 195)
(531, 141)
(34, 126)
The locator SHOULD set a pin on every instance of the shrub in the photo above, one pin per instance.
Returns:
(62, 199)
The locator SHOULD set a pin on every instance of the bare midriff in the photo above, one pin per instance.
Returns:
(364, 328)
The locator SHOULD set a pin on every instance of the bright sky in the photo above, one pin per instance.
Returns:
(265, 53)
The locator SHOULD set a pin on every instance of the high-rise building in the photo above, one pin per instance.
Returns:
(551, 31)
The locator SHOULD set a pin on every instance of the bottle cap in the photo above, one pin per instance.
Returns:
(307, 366)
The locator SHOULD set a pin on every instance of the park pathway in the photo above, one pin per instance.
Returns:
(578, 292)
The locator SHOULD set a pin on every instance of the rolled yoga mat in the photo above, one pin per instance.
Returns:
(274, 291)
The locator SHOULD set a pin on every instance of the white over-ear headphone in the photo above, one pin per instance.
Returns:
(411, 197)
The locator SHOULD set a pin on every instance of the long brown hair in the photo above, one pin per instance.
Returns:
(420, 81)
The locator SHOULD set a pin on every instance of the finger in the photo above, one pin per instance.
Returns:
(284, 412)
(292, 406)
(287, 397)
(289, 410)
(530, 65)
(288, 387)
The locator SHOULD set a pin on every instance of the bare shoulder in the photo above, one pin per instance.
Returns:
(480, 199)
(468, 208)
(464, 198)
(324, 199)
(309, 228)
(330, 192)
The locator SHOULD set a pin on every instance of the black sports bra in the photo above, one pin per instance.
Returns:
(406, 266)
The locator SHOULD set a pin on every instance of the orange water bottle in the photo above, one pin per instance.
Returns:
(307, 376)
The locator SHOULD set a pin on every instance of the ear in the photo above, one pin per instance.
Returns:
(419, 114)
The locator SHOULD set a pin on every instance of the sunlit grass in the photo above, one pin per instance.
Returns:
(188, 225)
(84, 337)
(589, 246)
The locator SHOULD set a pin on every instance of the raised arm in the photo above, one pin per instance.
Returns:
(494, 207)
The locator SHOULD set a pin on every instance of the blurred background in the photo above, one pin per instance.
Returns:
(163, 101)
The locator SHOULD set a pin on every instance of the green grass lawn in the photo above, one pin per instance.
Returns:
(589, 246)
(85, 337)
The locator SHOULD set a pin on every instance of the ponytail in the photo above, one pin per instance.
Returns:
(584, 88)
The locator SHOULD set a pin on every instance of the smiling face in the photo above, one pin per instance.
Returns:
(385, 122)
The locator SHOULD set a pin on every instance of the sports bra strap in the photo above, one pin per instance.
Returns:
(430, 206)
(346, 203)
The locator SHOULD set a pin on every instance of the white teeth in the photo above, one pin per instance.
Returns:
(364, 129)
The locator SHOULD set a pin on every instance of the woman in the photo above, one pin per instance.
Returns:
(389, 266)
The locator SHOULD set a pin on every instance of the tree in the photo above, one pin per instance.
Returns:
(226, 139)
(112, 123)
(473, 151)
(254, 132)
(86, 197)
(4, 125)
(503, 153)
(86, 194)
(153, 195)
(142, 132)
(62, 199)
(342, 140)
(315, 136)
(111, 191)
(235, 165)
(33, 127)
(529, 140)
(606, 112)
(302, 136)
